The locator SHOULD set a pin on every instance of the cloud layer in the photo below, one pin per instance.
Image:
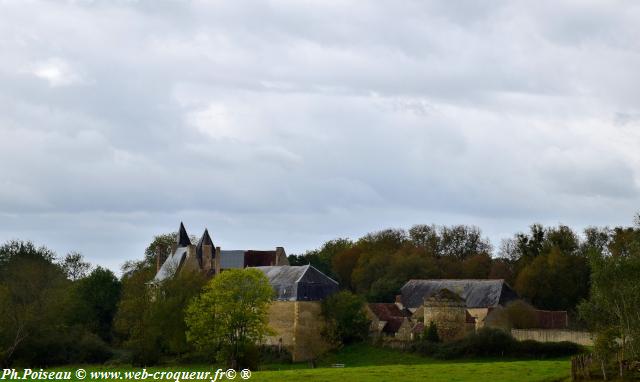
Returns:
(289, 123)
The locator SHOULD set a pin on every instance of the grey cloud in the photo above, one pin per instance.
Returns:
(289, 123)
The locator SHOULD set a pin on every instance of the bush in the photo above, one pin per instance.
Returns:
(345, 317)
(91, 349)
(431, 334)
(530, 348)
(275, 354)
(488, 342)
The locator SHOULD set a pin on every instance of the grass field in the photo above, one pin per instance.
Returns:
(366, 363)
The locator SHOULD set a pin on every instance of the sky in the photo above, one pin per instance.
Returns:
(289, 123)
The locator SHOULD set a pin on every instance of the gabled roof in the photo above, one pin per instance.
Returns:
(390, 313)
(299, 283)
(476, 293)
(183, 238)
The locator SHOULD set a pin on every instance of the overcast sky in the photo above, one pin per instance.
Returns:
(294, 122)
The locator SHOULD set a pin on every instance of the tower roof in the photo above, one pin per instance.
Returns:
(183, 238)
(204, 240)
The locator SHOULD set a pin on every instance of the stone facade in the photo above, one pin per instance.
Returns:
(298, 327)
(449, 312)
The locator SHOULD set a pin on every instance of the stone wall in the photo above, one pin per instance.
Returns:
(450, 320)
(480, 315)
(298, 327)
(553, 335)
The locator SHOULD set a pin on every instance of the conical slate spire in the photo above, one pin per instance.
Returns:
(205, 239)
(183, 238)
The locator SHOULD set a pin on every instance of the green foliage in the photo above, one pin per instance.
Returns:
(612, 308)
(488, 342)
(39, 321)
(231, 315)
(552, 271)
(74, 266)
(322, 258)
(431, 333)
(345, 316)
(161, 246)
(150, 317)
(97, 296)
(33, 290)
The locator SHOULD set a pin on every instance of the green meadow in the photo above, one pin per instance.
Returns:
(367, 363)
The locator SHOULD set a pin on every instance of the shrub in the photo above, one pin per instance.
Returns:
(489, 342)
(431, 334)
(346, 319)
(91, 349)
(530, 348)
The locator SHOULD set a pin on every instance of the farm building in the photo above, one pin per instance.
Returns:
(477, 298)
(295, 315)
(388, 321)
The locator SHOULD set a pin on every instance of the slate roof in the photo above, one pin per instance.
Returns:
(476, 293)
(232, 259)
(183, 238)
(171, 264)
(204, 240)
(299, 283)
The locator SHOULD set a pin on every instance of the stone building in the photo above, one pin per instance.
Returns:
(294, 315)
(449, 312)
(479, 296)
(210, 260)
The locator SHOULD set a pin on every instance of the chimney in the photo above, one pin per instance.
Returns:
(216, 260)
(281, 256)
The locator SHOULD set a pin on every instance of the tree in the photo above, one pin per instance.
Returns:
(346, 320)
(133, 319)
(322, 258)
(555, 280)
(477, 266)
(425, 237)
(343, 265)
(612, 308)
(97, 298)
(462, 241)
(74, 266)
(230, 315)
(33, 296)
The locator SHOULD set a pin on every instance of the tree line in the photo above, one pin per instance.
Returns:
(62, 310)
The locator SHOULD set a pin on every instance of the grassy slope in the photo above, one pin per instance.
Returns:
(366, 363)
